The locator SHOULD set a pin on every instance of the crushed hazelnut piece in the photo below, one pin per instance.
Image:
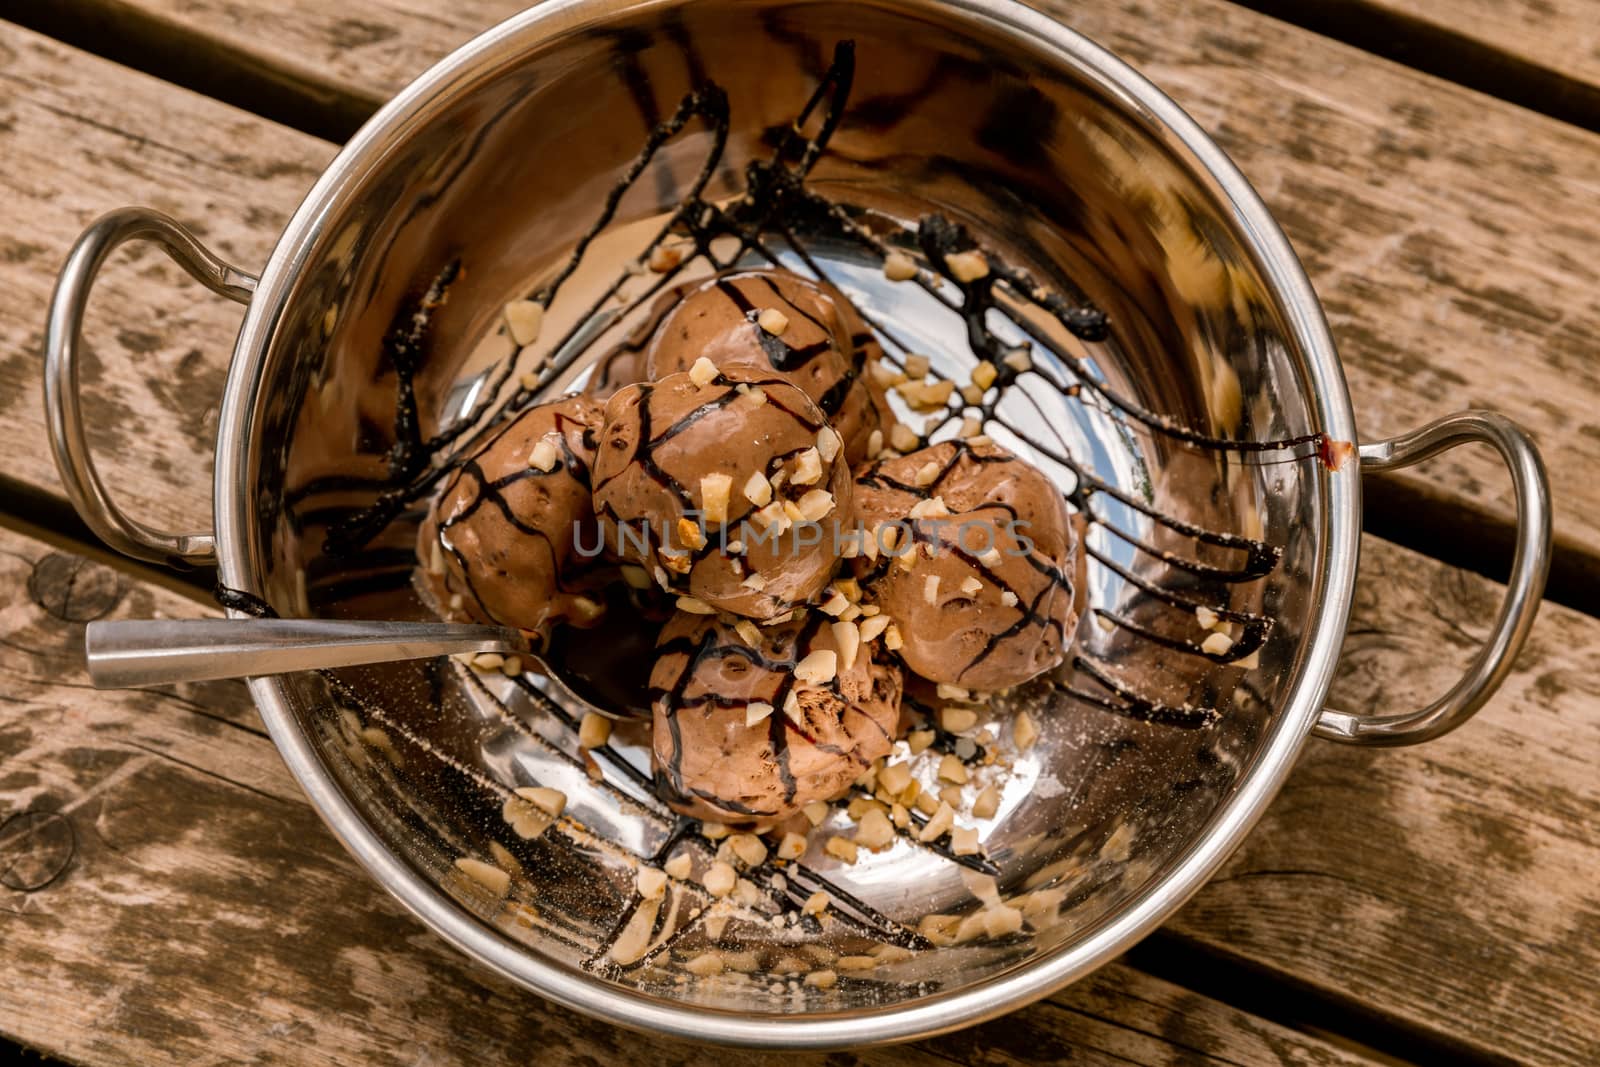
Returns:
(815, 505)
(964, 840)
(967, 266)
(971, 427)
(1216, 644)
(891, 638)
(488, 661)
(1018, 360)
(818, 668)
(875, 832)
(695, 606)
(930, 589)
(952, 770)
(720, 879)
(690, 535)
(594, 731)
(903, 438)
(828, 444)
(841, 848)
(487, 875)
(927, 474)
(545, 454)
(958, 720)
(523, 319)
(651, 883)
(703, 373)
(856, 963)
(987, 803)
(938, 824)
(663, 258)
(807, 468)
(917, 367)
(972, 394)
(714, 831)
(550, 801)
(773, 321)
(970, 585)
(815, 812)
(872, 627)
(792, 847)
(1023, 732)
(512, 666)
(715, 489)
(835, 604)
(899, 267)
(822, 979)
(874, 444)
(984, 374)
(895, 777)
(848, 638)
(705, 965)
(932, 508)
(749, 849)
(927, 803)
(756, 711)
(1002, 920)
(1008, 598)
(1206, 617)
(679, 866)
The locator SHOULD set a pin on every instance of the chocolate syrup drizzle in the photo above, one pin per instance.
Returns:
(776, 204)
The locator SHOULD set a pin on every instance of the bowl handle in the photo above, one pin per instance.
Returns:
(62, 345)
(1529, 568)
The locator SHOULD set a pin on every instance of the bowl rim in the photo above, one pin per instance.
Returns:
(937, 1013)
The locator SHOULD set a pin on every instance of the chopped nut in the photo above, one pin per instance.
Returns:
(703, 372)
(927, 474)
(1250, 662)
(938, 824)
(651, 883)
(891, 638)
(550, 801)
(956, 720)
(792, 847)
(523, 319)
(594, 731)
(990, 558)
(1206, 617)
(895, 777)
(677, 562)
(964, 840)
(984, 374)
(695, 606)
(757, 396)
(926, 396)
(807, 468)
(487, 875)
(822, 979)
(835, 604)
(841, 848)
(746, 629)
(1018, 360)
(1008, 598)
(848, 638)
(545, 454)
(903, 438)
(755, 582)
(874, 444)
(715, 490)
(815, 505)
(679, 866)
(952, 769)
(512, 667)
(758, 490)
(791, 707)
(972, 394)
(714, 831)
(927, 803)
(828, 444)
(971, 427)
(932, 508)
(940, 929)
(815, 812)
(773, 321)
(859, 806)
(886, 374)
(1023, 732)
(756, 711)
(705, 965)
(930, 589)
(818, 668)
(917, 367)
(876, 832)
(749, 849)
(663, 258)
(856, 963)
(987, 804)
(720, 879)
(1216, 644)
(970, 585)
(690, 534)
(967, 266)
(899, 816)
(1104, 621)
(874, 626)
(899, 267)
(488, 661)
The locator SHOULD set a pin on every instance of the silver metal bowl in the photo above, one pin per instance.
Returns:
(1055, 152)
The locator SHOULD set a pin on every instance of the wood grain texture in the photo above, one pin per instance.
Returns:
(206, 916)
(1449, 234)
(80, 136)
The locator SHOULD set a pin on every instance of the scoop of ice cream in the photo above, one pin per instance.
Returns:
(724, 486)
(501, 543)
(750, 728)
(823, 347)
(984, 600)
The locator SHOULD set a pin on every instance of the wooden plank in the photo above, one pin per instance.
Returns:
(160, 941)
(79, 137)
(1449, 234)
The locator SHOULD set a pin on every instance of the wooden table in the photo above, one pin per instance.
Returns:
(1434, 905)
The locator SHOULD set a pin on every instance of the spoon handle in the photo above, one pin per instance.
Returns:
(143, 652)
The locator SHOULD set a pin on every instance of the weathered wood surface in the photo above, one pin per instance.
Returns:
(1450, 234)
(206, 916)
(80, 136)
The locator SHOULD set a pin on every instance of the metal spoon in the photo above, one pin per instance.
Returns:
(144, 652)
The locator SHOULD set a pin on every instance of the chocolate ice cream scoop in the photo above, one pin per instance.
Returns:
(985, 601)
(501, 541)
(725, 486)
(749, 732)
(823, 347)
